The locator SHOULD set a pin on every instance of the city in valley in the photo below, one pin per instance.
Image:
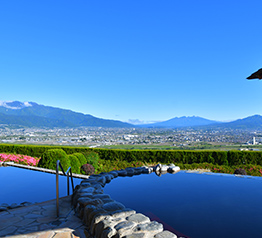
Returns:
(135, 138)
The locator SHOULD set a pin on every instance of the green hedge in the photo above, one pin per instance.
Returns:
(50, 157)
(75, 164)
(149, 156)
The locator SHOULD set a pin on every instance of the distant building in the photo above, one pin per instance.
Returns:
(254, 140)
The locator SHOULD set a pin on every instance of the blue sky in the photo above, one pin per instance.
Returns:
(147, 60)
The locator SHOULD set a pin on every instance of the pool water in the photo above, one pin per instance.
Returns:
(19, 185)
(197, 205)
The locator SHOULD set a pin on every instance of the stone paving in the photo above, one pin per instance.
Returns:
(40, 220)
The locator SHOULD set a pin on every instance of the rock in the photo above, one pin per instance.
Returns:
(103, 197)
(138, 218)
(87, 210)
(159, 172)
(173, 169)
(108, 200)
(85, 184)
(114, 173)
(165, 234)
(90, 212)
(108, 177)
(84, 201)
(102, 225)
(138, 171)
(95, 176)
(86, 190)
(97, 186)
(3, 209)
(76, 196)
(240, 171)
(98, 191)
(164, 168)
(96, 219)
(147, 170)
(130, 171)
(135, 235)
(113, 206)
(108, 232)
(26, 203)
(124, 227)
(102, 180)
(14, 205)
(122, 173)
(157, 167)
(152, 227)
(123, 213)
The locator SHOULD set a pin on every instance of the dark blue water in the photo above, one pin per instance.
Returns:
(19, 185)
(197, 205)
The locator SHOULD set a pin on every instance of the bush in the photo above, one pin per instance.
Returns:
(75, 164)
(87, 169)
(81, 158)
(49, 158)
(92, 158)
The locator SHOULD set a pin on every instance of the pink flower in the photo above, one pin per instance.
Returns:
(19, 158)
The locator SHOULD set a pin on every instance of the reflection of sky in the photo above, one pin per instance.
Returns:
(20, 185)
(198, 205)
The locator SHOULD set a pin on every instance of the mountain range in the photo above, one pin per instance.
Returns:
(31, 114)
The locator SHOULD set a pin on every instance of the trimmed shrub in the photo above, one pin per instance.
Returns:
(87, 169)
(75, 164)
(49, 158)
(81, 158)
(92, 158)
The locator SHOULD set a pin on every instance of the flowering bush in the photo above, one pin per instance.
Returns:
(87, 169)
(20, 159)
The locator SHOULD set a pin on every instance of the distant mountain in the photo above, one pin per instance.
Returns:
(181, 122)
(31, 114)
(249, 123)
(35, 115)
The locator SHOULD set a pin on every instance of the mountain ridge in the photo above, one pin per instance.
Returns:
(31, 114)
(182, 122)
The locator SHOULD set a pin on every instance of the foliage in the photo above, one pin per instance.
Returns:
(230, 158)
(218, 161)
(253, 170)
(49, 158)
(87, 169)
(109, 165)
(81, 158)
(75, 164)
(92, 158)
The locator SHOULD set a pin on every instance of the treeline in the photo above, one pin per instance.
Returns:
(228, 158)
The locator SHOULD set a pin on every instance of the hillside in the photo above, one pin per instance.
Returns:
(35, 115)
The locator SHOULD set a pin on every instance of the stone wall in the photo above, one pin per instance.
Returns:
(108, 218)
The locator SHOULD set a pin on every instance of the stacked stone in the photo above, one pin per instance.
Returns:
(108, 218)
(6, 207)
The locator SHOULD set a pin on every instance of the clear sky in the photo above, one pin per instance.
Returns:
(134, 59)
